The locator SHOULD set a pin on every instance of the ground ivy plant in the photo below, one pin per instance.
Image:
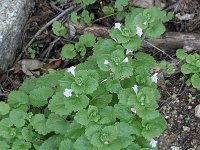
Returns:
(108, 102)
(190, 65)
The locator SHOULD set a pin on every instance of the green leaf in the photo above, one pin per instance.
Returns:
(133, 44)
(120, 4)
(163, 65)
(86, 81)
(87, 39)
(107, 10)
(4, 108)
(113, 86)
(57, 104)
(86, 17)
(17, 98)
(82, 117)
(50, 80)
(75, 130)
(21, 145)
(181, 54)
(147, 114)
(39, 124)
(144, 60)
(5, 129)
(91, 129)
(195, 80)
(125, 131)
(4, 145)
(133, 146)
(123, 113)
(76, 103)
(59, 29)
(136, 126)
(83, 144)
(65, 145)
(198, 63)
(27, 133)
(108, 134)
(17, 117)
(68, 51)
(74, 17)
(88, 2)
(124, 95)
(154, 128)
(100, 98)
(39, 97)
(186, 69)
(57, 124)
(107, 115)
(51, 143)
(155, 30)
(28, 85)
(191, 59)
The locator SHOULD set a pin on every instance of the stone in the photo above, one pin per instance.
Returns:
(13, 17)
(175, 148)
(197, 111)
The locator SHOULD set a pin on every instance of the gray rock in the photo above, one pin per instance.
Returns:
(175, 148)
(13, 17)
(197, 111)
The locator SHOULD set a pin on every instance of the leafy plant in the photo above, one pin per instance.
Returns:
(85, 41)
(86, 2)
(190, 66)
(107, 10)
(59, 29)
(166, 67)
(33, 51)
(85, 17)
(120, 4)
(107, 102)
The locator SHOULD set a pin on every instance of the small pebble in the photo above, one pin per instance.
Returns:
(197, 111)
(175, 148)
(186, 129)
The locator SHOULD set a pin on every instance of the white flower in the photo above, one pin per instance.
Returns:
(139, 31)
(106, 62)
(106, 142)
(118, 26)
(104, 80)
(115, 40)
(71, 70)
(154, 78)
(153, 143)
(135, 89)
(129, 52)
(125, 60)
(133, 110)
(68, 92)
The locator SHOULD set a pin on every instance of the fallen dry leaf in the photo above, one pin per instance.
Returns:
(52, 64)
(28, 65)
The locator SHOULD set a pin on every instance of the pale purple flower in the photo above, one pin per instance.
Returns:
(118, 26)
(106, 62)
(68, 92)
(129, 52)
(139, 31)
(71, 70)
(154, 78)
(125, 60)
(153, 143)
(135, 89)
(104, 80)
(133, 110)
